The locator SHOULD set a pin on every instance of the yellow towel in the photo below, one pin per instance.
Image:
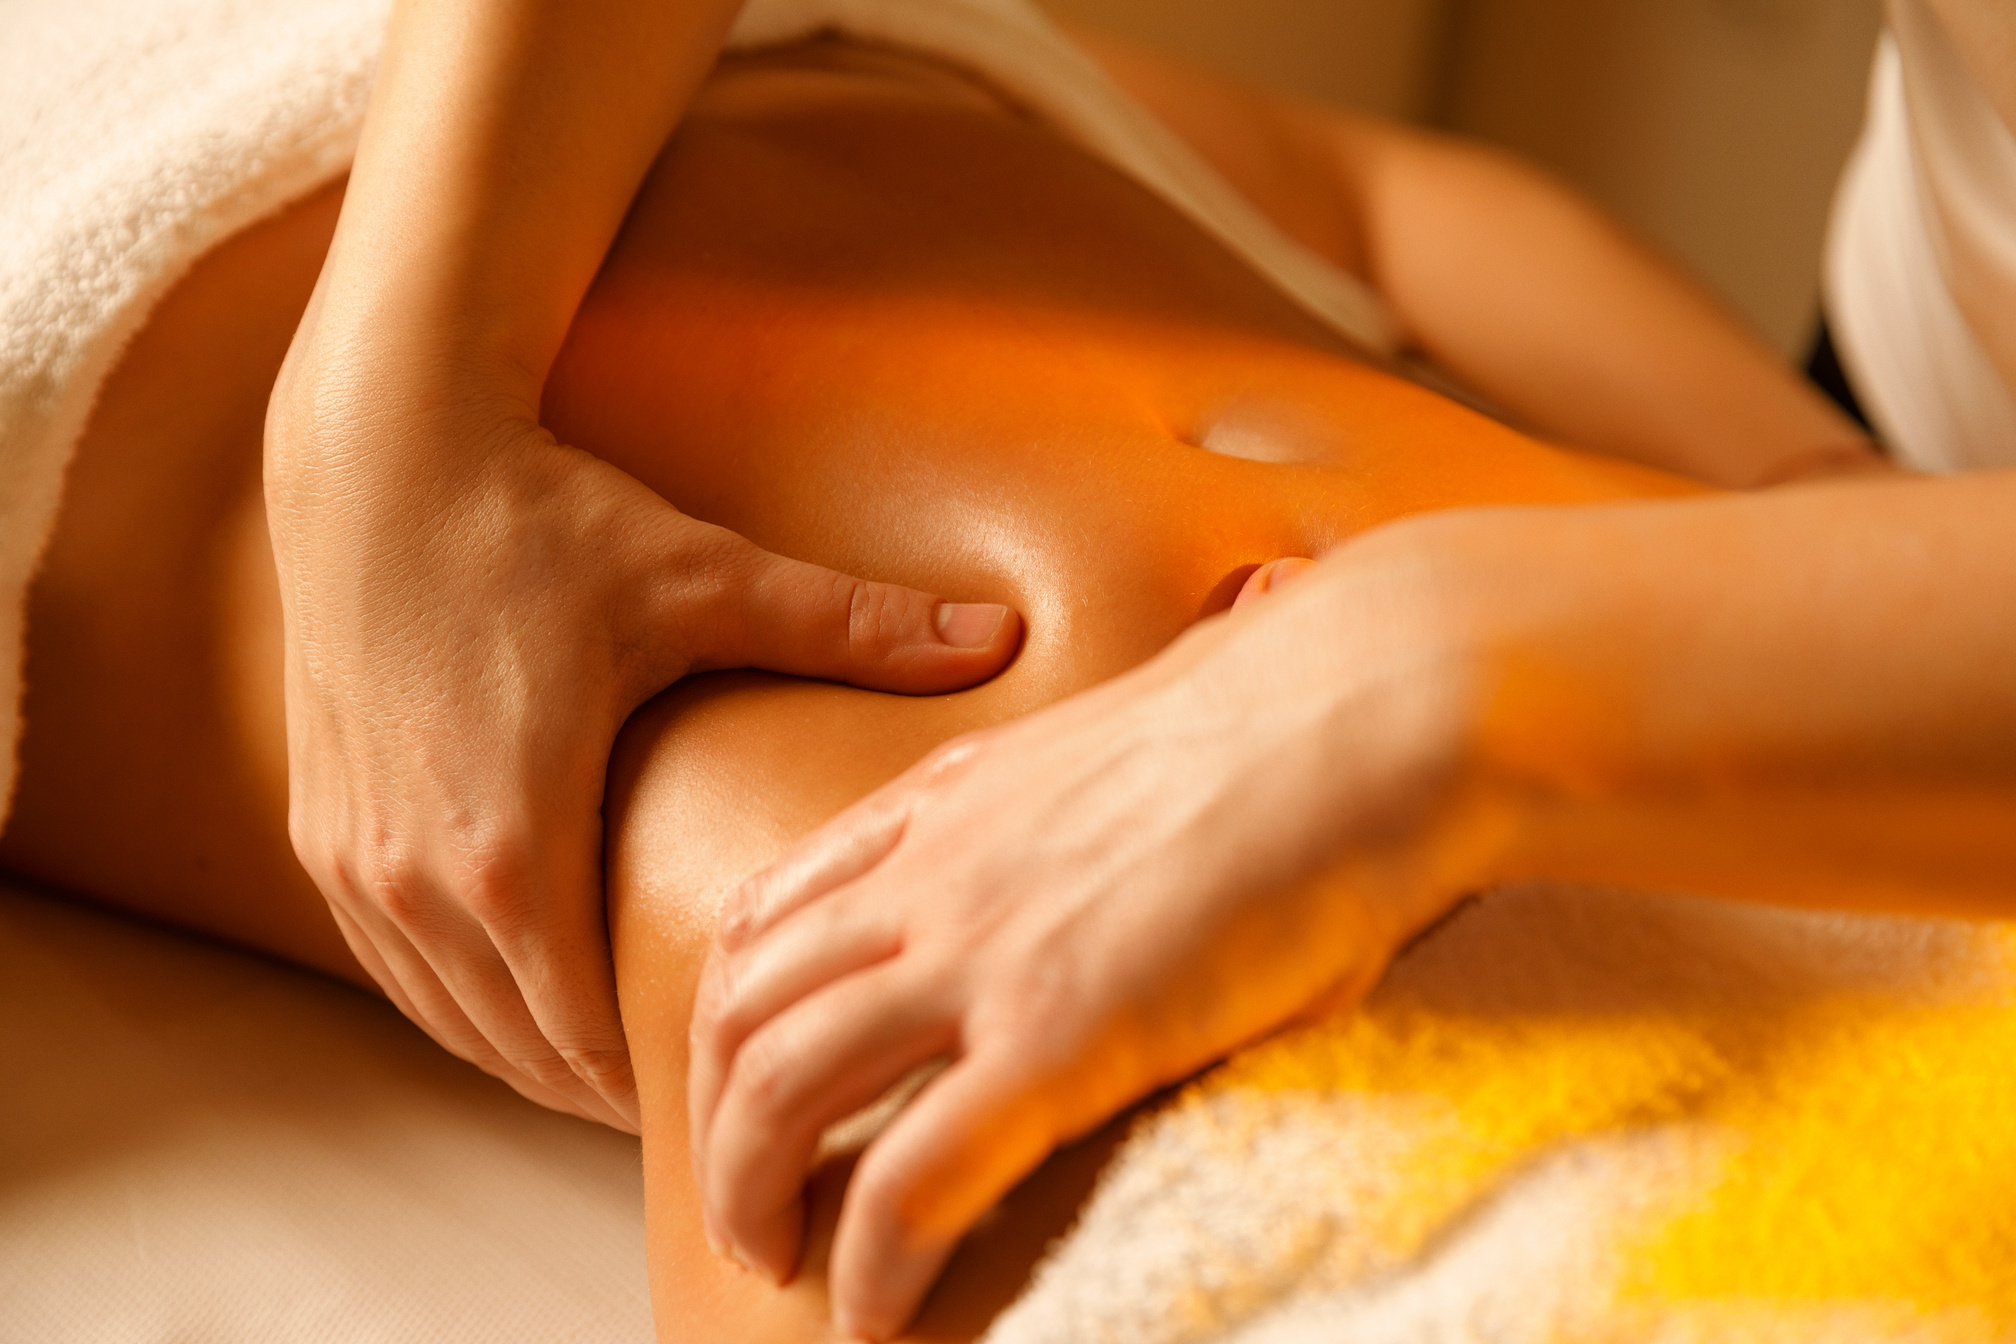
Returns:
(1586, 1117)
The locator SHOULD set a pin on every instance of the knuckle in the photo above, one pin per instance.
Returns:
(607, 1071)
(533, 1058)
(865, 617)
(891, 1205)
(714, 1001)
(738, 913)
(311, 848)
(716, 567)
(544, 1067)
(327, 869)
(392, 879)
(462, 1038)
(491, 880)
(378, 869)
(950, 760)
(880, 617)
(322, 855)
(763, 1072)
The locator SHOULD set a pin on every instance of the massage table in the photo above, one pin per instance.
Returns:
(199, 1145)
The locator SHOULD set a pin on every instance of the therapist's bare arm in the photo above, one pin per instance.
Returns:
(473, 609)
(1805, 695)
(1984, 33)
(1807, 698)
(1512, 283)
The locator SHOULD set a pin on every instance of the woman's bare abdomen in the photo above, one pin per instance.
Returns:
(867, 319)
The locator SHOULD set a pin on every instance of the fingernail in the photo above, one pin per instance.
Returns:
(1284, 572)
(969, 625)
(1272, 577)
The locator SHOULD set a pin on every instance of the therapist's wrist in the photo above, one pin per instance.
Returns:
(456, 342)
(1372, 715)
(443, 324)
(399, 397)
(1562, 628)
(1503, 734)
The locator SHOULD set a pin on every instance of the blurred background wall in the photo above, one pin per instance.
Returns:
(1717, 127)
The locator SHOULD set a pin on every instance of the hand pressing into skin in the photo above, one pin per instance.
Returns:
(1075, 909)
(1768, 697)
(472, 610)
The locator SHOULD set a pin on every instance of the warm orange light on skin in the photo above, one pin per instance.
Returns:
(1022, 422)
(1039, 449)
(1075, 408)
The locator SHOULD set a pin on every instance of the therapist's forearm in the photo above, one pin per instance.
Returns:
(1806, 696)
(503, 145)
(1508, 280)
(1539, 301)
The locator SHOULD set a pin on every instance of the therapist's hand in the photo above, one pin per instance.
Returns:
(472, 610)
(1075, 909)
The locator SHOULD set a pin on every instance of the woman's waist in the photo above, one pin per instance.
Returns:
(823, 193)
(893, 329)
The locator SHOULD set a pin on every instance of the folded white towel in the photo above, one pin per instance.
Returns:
(133, 138)
(144, 133)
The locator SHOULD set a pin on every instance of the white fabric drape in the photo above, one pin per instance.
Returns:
(1921, 257)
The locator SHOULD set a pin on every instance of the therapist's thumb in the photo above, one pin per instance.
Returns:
(788, 616)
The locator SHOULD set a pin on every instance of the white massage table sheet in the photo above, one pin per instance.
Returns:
(200, 1145)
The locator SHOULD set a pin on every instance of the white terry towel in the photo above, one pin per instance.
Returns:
(1589, 1117)
(135, 136)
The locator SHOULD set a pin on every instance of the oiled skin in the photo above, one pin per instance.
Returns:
(859, 314)
(972, 405)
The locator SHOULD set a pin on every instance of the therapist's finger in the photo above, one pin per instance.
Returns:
(758, 609)
(812, 1066)
(450, 967)
(844, 849)
(374, 964)
(965, 1142)
(564, 1008)
(494, 1000)
(1271, 577)
(417, 992)
(739, 992)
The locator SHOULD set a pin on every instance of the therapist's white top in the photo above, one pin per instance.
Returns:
(1921, 258)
